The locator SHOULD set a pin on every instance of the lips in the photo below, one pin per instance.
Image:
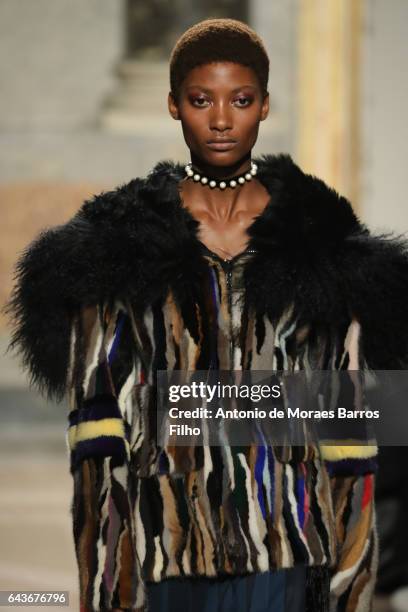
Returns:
(221, 145)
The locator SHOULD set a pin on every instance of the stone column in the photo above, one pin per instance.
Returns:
(330, 33)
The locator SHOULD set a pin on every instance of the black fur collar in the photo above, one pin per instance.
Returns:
(136, 240)
(303, 220)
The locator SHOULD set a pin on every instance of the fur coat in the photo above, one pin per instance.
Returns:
(119, 291)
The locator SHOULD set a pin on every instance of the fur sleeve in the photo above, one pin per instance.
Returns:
(41, 309)
(375, 275)
(81, 262)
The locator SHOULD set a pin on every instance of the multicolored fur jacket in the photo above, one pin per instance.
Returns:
(124, 289)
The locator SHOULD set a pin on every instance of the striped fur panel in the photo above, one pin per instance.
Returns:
(353, 581)
(341, 457)
(102, 376)
(104, 536)
(101, 424)
(243, 512)
(209, 333)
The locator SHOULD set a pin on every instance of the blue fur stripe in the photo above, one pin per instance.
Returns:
(349, 467)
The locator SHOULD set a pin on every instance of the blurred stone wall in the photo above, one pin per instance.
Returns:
(384, 122)
(56, 61)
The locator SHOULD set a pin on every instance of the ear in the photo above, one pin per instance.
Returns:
(173, 108)
(265, 107)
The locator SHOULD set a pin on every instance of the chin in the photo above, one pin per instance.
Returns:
(221, 158)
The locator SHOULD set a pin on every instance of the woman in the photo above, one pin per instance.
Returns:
(230, 263)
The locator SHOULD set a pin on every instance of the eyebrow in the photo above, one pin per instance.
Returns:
(210, 90)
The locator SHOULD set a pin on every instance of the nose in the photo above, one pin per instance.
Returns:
(220, 116)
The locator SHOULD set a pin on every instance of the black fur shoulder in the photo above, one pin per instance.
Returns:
(127, 243)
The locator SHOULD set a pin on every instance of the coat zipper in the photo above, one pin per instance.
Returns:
(229, 298)
(229, 265)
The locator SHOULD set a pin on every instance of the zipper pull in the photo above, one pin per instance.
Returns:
(229, 272)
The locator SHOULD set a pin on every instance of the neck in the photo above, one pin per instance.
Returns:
(219, 203)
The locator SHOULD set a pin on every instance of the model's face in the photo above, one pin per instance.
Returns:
(220, 101)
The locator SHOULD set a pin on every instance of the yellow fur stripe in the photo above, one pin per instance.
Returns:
(335, 453)
(89, 430)
(72, 436)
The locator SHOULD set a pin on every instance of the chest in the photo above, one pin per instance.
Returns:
(226, 239)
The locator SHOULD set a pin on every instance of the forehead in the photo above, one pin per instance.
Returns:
(221, 74)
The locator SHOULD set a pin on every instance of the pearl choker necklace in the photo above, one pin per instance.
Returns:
(221, 184)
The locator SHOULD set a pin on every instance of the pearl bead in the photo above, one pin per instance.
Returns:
(253, 171)
(204, 180)
(241, 180)
(223, 185)
(190, 172)
(248, 176)
(212, 183)
(196, 177)
(233, 183)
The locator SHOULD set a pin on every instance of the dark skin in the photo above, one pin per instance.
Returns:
(221, 99)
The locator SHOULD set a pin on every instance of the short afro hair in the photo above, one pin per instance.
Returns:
(218, 40)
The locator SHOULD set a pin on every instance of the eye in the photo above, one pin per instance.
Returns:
(199, 102)
(243, 99)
